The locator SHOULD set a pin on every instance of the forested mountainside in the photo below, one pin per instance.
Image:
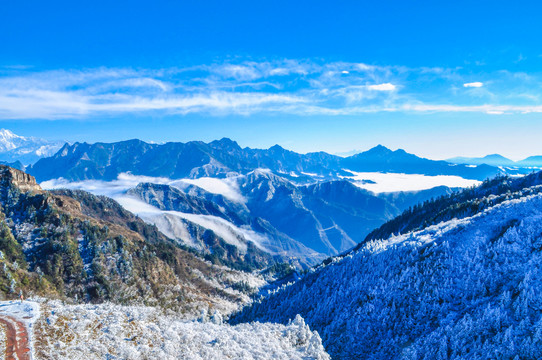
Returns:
(106, 161)
(465, 288)
(460, 204)
(74, 245)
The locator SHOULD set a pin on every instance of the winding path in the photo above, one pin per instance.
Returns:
(17, 347)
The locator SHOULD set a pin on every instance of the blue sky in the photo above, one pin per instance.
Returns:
(436, 78)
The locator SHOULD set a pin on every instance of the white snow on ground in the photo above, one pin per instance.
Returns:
(27, 312)
(391, 182)
(109, 331)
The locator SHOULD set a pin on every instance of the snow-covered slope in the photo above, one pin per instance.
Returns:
(109, 331)
(461, 289)
(25, 149)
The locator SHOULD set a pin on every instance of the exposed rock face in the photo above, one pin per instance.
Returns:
(13, 177)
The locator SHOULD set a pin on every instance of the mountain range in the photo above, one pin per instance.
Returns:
(28, 150)
(439, 272)
(251, 221)
(288, 207)
(105, 161)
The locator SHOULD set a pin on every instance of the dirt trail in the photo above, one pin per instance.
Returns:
(16, 339)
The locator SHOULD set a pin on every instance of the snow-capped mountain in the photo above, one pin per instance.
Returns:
(466, 288)
(27, 150)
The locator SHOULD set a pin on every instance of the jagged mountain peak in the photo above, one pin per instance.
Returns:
(379, 151)
(380, 148)
(276, 147)
(226, 142)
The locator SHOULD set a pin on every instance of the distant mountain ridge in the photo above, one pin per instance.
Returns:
(498, 160)
(105, 161)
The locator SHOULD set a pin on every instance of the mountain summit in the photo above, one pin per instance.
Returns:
(27, 150)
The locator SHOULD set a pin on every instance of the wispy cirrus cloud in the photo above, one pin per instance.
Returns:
(289, 86)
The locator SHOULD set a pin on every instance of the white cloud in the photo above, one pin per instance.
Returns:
(382, 87)
(475, 84)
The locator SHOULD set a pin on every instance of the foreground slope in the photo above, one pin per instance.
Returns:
(464, 288)
(108, 331)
